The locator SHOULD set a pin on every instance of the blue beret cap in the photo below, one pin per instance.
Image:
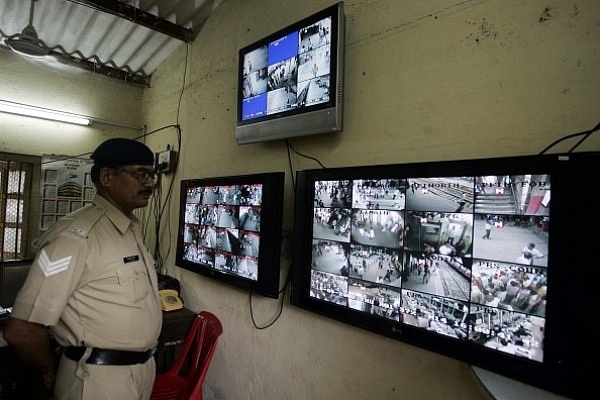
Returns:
(122, 151)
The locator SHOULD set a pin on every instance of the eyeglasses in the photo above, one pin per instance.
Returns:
(142, 175)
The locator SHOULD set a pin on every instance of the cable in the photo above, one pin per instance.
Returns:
(161, 210)
(185, 68)
(585, 135)
(291, 166)
(304, 155)
(274, 320)
(169, 196)
(282, 293)
(283, 290)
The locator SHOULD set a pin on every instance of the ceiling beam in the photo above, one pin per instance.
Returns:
(141, 17)
(130, 77)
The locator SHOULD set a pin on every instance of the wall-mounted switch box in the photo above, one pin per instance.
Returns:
(166, 161)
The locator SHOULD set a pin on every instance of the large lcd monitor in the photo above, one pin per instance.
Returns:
(230, 230)
(290, 82)
(488, 261)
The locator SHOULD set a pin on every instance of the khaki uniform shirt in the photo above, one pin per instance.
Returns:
(93, 281)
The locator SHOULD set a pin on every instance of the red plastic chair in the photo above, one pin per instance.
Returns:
(183, 381)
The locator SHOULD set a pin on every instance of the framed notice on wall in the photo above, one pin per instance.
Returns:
(66, 186)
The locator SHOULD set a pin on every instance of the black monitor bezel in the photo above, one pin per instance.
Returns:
(556, 373)
(267, 283)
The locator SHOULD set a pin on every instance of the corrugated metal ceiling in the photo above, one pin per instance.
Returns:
(126, 40)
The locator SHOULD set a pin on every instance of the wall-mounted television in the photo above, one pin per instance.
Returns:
(488, 261)
(290, 82)
(230, 230)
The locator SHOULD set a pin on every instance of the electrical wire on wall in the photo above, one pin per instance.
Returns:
(282, 292)
(158, 206)
(157, 209)
(584, 134)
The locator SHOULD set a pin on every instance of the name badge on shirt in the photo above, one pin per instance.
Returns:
(130, 259)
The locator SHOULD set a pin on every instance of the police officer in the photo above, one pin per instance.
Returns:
(93, 288)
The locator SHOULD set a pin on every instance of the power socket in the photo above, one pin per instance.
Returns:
(166, 161)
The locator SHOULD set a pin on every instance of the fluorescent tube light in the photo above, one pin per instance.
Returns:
(43, 113)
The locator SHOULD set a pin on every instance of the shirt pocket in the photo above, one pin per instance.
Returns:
(133, 282)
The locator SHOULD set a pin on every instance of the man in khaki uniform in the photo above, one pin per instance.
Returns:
(93, 286)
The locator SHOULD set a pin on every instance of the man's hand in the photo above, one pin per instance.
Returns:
(31, 343)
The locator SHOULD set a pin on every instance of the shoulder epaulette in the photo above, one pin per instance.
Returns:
(77, 223)
(83, 222)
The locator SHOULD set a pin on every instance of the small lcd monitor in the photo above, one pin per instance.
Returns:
(230, 230)
(290, 82)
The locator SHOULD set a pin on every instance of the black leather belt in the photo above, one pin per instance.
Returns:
(109, 357)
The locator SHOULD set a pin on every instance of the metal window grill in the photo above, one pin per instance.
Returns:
(15, 184)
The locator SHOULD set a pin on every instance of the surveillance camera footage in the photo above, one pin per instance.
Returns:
(222, 228)
(464, 257)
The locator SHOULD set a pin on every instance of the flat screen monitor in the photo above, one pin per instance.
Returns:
(290, 82)
(230, 230)
(486, 260)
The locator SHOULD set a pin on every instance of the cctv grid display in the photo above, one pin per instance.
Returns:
(464, 257)
(222, 225)
(289, 73)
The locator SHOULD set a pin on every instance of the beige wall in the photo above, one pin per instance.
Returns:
(425, 80)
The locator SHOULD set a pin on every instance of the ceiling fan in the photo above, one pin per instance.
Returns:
(145, 45)
(27, 42)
